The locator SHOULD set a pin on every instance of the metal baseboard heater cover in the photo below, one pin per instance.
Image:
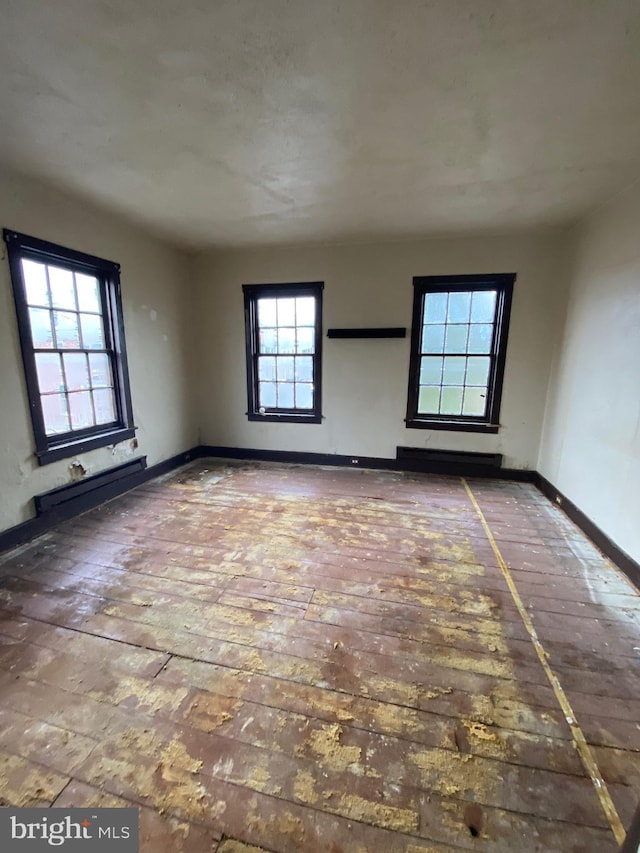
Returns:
(93, 489)
(457, 457)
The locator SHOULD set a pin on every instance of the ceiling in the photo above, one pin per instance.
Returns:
(247, 122)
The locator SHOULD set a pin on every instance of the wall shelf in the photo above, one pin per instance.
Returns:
(388, 332)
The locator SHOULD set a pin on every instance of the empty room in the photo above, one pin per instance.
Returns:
(320, 426)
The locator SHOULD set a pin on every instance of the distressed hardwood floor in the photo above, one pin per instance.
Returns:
(290, 658)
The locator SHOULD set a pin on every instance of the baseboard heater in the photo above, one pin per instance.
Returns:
(427, 457)
(90, 491)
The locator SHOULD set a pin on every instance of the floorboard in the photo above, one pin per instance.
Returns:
(293, 658)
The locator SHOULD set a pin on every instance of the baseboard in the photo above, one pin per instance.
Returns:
(429, 464)
(600, 539)
(75, 498)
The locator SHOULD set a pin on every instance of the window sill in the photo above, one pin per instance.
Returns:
(453, 426)
(286, 418)
(83, 445)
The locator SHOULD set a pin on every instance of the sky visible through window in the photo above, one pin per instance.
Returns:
(455, 349)
(286, 345)
(73, 365)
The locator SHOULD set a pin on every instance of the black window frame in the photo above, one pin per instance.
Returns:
(503, 284)
(51, 448)
(253, 292)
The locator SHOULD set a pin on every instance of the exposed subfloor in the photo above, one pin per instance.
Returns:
(313, 659)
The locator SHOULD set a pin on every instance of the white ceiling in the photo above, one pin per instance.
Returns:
(240, 122)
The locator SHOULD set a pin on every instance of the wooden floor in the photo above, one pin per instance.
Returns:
(311, 659)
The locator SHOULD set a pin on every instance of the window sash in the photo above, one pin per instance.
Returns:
(256, 356)
(56, 445)
(419, 415)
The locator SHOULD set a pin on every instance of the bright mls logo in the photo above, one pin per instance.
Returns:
(86, 830)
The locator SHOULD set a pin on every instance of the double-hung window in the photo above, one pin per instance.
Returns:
(458, 351)
(72, 339)
(284, 351)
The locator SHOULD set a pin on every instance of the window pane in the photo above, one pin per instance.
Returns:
(267, 394)
(305, 311)
(63, 292)
(266, 367)
(100, 370)
(67, 332)
(306, 340)
(286, 312)
(429, 400)
(453, 373)
(304, 395)
(435, 307)
(55, 414)
(76, 371)
(480, 338)
(285, 395)
(474, 401)
(459, 307)
(286, 340)
(267, 312)
(478, 370)
(81, 409)
(433, 338)
(456, 339)
(49, 372)
(268, 341)
(92, 332)
(285, 369)
(41, 333)
(104, 405)
(35, 280)
(88, 293)
(430, 370)
(451, 401)
(304, 369)
(483, 306)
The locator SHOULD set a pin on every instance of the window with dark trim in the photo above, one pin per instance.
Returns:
(458, 349)
(72, 339)
(283, 325)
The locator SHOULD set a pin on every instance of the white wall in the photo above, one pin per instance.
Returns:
(590, 448)
(365, 381)
(157, 317)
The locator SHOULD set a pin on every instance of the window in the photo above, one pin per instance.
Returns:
(458, 348)
(72, 339)
(284, 347)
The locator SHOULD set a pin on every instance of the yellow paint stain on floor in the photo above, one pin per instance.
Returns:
(325, 744)
(150, 697)
(260, 780)
(402, 693)
(304, 788)
(254, 662)
(479, 730)
(389, 817)
(160, 773)
(210, 711)
(23, 784)
(437, 692)
(292, 826)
